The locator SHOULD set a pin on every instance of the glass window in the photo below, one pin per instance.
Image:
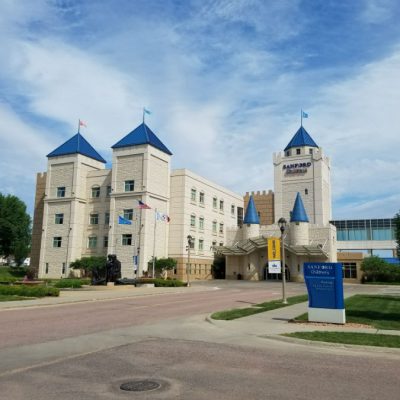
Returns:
(192, 221)
(94, 219)
(221, 243)
(57, 240)
(128, 214)
(350, 270)
(61, 191)
(201, 244)
(221, 205)
(95, 191)
(59, 219)
(240, 216)
(106, 218)
(92, 242)
(297, 151)
(201, 223)
(287, 153)
(214, 202)
(214, 243)
(47, 268)
(305, 191)
(310, 151)
(214, 226)
(201, 198)
(105, 242)
(233, 209)
(109, 190)
(127, 239)
(129, 186)
(192, 243)
(193, 195)
(63, 269)
(221, 228)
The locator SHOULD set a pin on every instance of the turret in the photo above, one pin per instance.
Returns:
(251, 222)
(299, 234)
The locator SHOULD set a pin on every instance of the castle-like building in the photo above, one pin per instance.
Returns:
(140, 209)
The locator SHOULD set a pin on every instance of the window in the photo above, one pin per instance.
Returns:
(193, 195)
(221, 228)
(214, 226)
(239, 216)
(94, 219)
(233, 209)
(287, 153)
(214, 202)
(106, 218)
(92, 242)
(350, 270)
(192, 221)
(95, 191)
(105, 241)
(61, 191)
(298, 151)
(59, 219)
(221, 205)
(129, 186)
(128, 214)
(109, 190)
(192, 243)
(310, 151)
(127, 239)
(201, 244)
(63, 269)
(221, 243)
(47, 268)
(214, 243)
(201, 223)
(201, 197)
(57, 240)
(305, 191)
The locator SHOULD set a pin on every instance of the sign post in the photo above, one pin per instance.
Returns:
(325, 292)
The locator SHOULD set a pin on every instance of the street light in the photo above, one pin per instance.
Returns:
(190, 242)
(282, 227)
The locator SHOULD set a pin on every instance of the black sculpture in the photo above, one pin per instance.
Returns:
(113, 268)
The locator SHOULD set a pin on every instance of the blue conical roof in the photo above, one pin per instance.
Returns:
(251, 216)
(299, 212)
(77, 144)
(142, 135)
(301, 138)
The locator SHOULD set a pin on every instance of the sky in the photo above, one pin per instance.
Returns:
(225, 81)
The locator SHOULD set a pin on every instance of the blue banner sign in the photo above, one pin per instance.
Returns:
(324, 285)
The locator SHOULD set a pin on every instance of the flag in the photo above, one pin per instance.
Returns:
(123, 221)
(304, 114)
(143, 206)
(146, 111)
(81, 123)
(162, 217)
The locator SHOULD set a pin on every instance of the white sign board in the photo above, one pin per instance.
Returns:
(274, 267)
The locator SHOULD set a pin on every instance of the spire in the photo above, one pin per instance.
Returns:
(301, 138)
(141, 135)
(77, 145)
(299, 212)
(251, 216)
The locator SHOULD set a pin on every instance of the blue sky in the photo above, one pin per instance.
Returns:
(225, 81)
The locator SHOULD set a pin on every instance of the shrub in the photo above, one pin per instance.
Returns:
(168, 283)
(377, 270)
(29, 291)
(71, 283)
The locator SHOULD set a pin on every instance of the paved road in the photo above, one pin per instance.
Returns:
(86, 350)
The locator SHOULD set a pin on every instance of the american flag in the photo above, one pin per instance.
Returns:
(143, 206)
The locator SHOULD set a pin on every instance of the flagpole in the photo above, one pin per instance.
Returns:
(301, 117)
(143, 114)
(79, 125)
(138, 249)
(154, 241)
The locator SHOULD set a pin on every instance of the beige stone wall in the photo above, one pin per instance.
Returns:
(264, 201)
(200, 269)
(37, 224)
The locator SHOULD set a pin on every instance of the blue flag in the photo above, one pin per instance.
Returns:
(123, 221)
(304, 114)
(146, 111)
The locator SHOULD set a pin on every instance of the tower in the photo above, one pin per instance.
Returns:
(251, 222)
(303, 168)
(67, 206)
(141, 172)
(299, 233)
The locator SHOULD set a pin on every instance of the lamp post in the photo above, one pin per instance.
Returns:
(190, 242)
(282, 227)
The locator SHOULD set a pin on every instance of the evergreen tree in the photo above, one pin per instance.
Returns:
(15, 228)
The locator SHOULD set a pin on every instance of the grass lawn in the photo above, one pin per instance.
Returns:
(14, 298)
(235, 313)
(381, 312)
(365, 339)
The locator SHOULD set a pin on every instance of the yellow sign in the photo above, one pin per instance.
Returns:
(274, 249)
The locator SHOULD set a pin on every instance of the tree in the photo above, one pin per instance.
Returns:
(15, 228)
(397, 232)
(87, 264)
(375, 269)
(162, 265)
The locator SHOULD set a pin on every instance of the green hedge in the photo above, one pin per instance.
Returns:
(71, 283)
(29, 291)
(162, 282)
(377, 270)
